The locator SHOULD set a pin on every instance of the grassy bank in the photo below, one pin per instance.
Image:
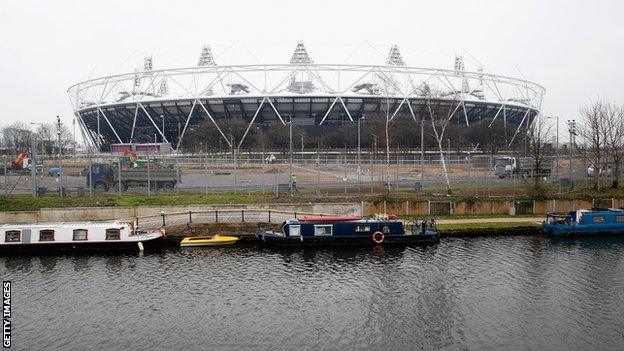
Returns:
(485, 226)
(30, 203)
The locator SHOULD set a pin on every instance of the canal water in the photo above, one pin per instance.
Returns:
(505, 293)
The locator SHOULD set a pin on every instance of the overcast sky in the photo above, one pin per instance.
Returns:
(573, 48)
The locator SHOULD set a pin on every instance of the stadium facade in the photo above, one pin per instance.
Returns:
(151, 105)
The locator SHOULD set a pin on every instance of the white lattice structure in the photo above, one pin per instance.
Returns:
(133, 107)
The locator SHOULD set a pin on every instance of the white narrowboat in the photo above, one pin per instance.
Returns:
(77, 236)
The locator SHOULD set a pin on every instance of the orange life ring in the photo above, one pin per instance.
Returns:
(378, 237)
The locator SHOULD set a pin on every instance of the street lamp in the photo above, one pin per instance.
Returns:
(290, 158)
(572, 131)
(359, 170)
(60, 154)
(162, 117)
(33, 161)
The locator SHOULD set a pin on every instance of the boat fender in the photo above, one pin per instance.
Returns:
(378, 237)
(140, 244)
(163, 232)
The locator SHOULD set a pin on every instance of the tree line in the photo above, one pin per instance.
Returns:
(19, 136)
(598, 138)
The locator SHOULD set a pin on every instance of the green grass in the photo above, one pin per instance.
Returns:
(30, 203)
(477, 226)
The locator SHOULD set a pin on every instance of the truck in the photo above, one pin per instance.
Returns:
(22, 164)
(105, 177)
(506, 166)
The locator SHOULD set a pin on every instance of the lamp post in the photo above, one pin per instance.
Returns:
(33, 161)
(359, 169)
(572, 131)
(60, 154)
(162, 118)
(290, 158)
(374, 159)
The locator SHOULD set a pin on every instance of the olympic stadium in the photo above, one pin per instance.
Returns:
(150, 105)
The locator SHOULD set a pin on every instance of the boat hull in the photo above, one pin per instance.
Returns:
(569, 231)
(269, 239)
(208, 241)
(149, 245)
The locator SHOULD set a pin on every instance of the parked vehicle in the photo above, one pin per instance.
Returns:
(104, 177)
(22, 164)
(506, 166)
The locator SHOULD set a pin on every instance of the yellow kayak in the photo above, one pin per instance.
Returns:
(216, 240)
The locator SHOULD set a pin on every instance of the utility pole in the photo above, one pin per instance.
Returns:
(235, 164)
(572, 131)
(290, 159)
(33, 165)
(422, 152)
(359, 169)
(162, 117)
(60, 154)
(33, 160)
(74, 132)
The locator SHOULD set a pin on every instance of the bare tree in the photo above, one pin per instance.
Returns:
(590, 141)
(440, 113)
(614, 139)
(539, 143)
(17, 136)
(48, 137)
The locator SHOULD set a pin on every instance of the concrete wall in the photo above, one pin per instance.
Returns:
(107, 213)
(366, 209)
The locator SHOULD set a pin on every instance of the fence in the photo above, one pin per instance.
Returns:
(326, 173)
(218, 216)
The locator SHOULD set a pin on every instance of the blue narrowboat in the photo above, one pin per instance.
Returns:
(585, 222)
(349, 230)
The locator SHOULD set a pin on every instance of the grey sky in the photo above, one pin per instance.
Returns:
(573, 48)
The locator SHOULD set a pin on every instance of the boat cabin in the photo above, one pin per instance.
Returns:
(335, 226)
(65, 232)
(584, 217)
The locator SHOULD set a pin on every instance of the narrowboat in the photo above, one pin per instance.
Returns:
(349, 230)
(585, 222)
(76, 237)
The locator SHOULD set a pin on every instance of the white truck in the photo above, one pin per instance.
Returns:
(506, 166)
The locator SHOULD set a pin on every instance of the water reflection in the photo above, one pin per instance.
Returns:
(480, 293)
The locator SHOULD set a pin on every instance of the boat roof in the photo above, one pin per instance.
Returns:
(342, 219)
(64, 224)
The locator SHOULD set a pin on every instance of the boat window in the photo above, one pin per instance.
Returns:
(598, 219)
(385, 229)
(12, 236)
(80, 234)
(619, 218)
(362, 228)
(113, 234)
(46, 235)
(323, 229)
(294, 230)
